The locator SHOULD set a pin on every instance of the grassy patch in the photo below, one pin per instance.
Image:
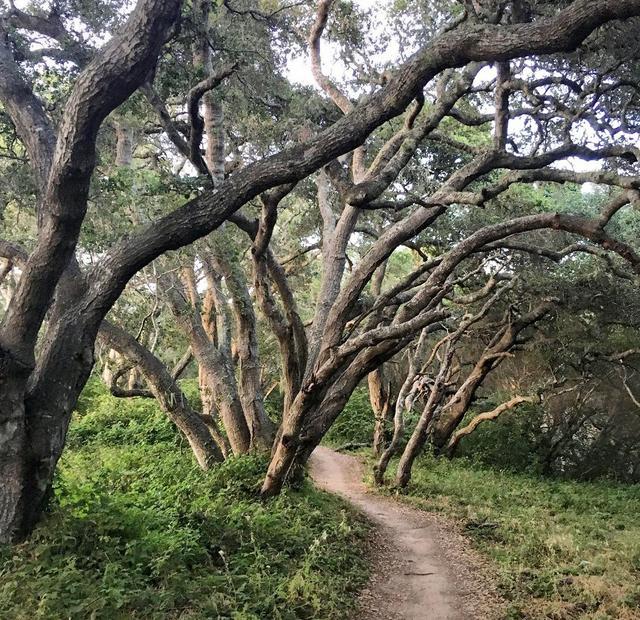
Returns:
(564, 550)
(137, 531)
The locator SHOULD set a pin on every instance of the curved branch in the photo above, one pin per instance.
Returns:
(164, 388)
(457, 437)
(565, 31)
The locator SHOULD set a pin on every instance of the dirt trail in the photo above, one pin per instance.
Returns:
(422, 569)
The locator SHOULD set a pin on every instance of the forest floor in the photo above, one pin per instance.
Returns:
(422, 567)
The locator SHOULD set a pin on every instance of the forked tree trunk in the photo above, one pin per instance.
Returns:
(288, 443)
(119, 69)
(380, 468)
(62, 161)
(261, 429)
(419, 436)
(404, 403)
(216, 370)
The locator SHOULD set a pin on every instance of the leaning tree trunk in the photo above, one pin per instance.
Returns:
(496, 351)
(380, 468)
(481, 418)
(166, 391)
(419, 436)
(404, 403)
(63, 161)
(216, 370)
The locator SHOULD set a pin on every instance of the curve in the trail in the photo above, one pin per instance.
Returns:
(412, 579)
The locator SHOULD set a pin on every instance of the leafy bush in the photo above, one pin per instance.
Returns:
(137, 531)
(110, 421)
(355, 424)
(509, 442)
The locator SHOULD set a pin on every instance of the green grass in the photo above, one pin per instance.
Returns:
(563, 550)
(137, 531)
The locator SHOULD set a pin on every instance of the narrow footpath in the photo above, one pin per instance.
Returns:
(422, 568)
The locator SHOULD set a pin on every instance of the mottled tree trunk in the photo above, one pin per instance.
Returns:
(419, 436)
(13, 452)
(380, 399)
(216, 369)
(124, 144)
(404, 403)
(261, 428)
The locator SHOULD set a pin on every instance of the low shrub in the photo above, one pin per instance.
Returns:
(137, 531)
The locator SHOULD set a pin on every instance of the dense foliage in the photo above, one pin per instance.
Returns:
(137, 531)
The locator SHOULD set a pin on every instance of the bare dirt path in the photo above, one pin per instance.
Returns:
(422, 567)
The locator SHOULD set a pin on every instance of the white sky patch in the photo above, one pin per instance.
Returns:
(299, 67)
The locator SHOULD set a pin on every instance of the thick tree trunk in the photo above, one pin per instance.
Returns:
(315, 409)
(63, 177)
(220, 386)
(13, 453)
(283, 456)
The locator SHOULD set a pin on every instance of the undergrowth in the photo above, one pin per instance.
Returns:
(355, 424)
(137, 531)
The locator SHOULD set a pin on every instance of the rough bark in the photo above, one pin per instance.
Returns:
(261, 428)
(67, 352)
(216, 369)
(124, 144)
(31, 450)
(380, 399)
